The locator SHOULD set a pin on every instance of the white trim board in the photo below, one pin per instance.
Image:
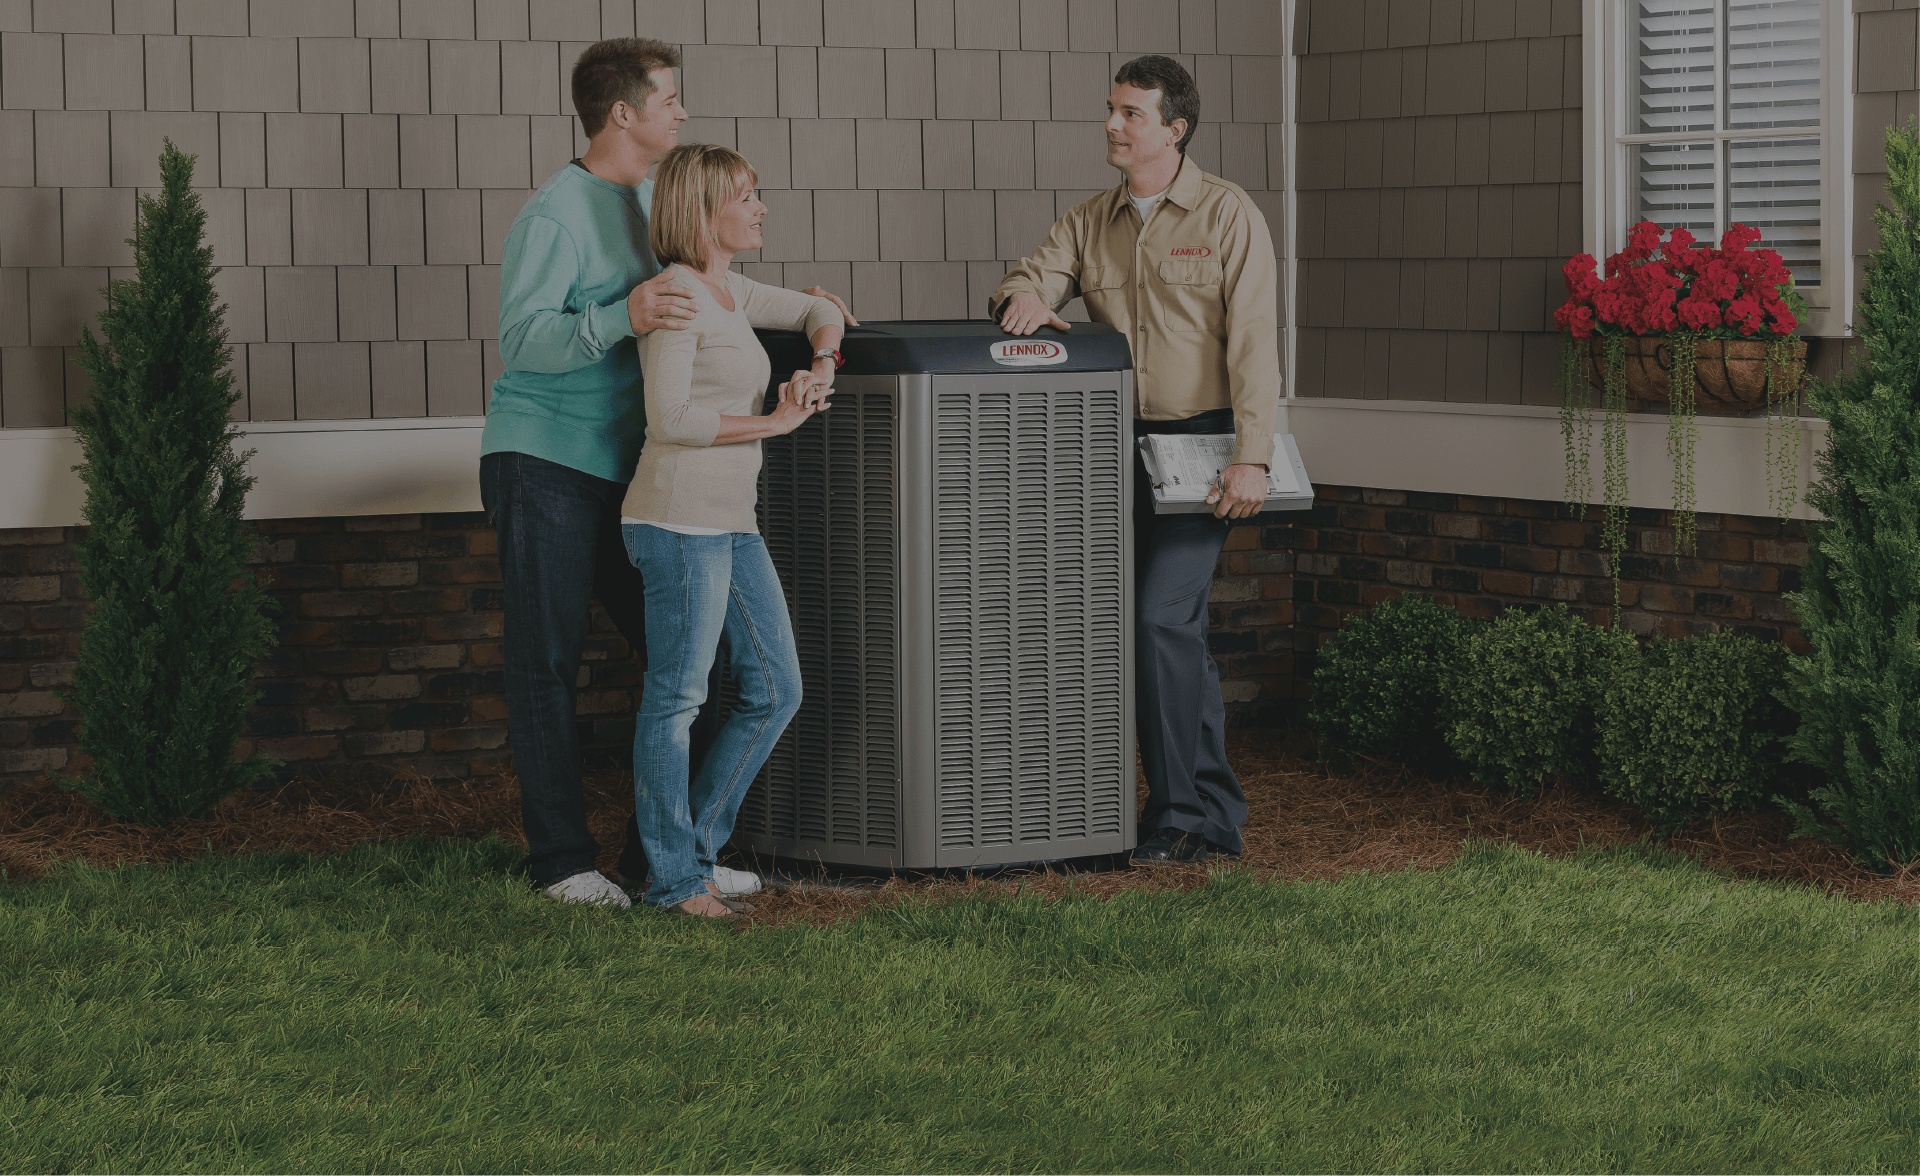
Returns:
(309, 469)
(306, 469)
(1515, 451)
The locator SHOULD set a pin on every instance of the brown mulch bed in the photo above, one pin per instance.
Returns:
(1303, 823)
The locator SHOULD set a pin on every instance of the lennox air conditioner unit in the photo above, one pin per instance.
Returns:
(955, 543)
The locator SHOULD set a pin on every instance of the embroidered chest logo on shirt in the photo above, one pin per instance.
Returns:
(1191, 251)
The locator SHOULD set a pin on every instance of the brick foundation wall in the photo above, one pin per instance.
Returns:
(1358, 547)
(389, 655)
(388, 660)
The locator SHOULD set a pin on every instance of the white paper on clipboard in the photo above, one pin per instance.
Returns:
(1183, 468)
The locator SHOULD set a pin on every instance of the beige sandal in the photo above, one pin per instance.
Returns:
(684, 908)
(730, 904)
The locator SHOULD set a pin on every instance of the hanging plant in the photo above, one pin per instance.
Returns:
(1678, 323)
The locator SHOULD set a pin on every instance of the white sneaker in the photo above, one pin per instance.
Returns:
(736, 883)
(589, 887)
(730, 883)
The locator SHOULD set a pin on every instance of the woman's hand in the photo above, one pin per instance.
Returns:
(788, 415)
(807, 390)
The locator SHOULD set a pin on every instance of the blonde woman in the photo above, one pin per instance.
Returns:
(689, 523)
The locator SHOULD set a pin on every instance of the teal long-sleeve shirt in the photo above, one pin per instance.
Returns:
(571, 390)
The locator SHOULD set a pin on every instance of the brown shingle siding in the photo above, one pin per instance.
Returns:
(1510, 148)
(1495, 238)
(1463, 222)
(1449, 192)
(1398, 152)
(1409, 22)
(1380, 83)
(1365, 139)
(1456, 78)
(1887, 46)
(1424, 224)
(1433, 151)
(1337, 26)
(1506, 75)
(1392, 222)
(1492, 19)
(1413, 81)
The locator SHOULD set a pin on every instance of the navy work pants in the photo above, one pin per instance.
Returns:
(1181, 719)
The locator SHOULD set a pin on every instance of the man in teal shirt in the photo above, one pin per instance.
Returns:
(564, 428)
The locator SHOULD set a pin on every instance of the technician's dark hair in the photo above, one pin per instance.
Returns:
(617, 71)
(1179, 97)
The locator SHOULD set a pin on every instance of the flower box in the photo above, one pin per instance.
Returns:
(1732, 377)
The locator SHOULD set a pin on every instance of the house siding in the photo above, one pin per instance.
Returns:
(360, 164)
(1439, 191)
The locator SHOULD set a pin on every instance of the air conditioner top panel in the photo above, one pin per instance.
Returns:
(956, 346)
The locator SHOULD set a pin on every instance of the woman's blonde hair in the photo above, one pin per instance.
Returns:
(693, 181)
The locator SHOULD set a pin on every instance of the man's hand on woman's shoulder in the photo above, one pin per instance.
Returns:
(830, 296)
(660, 301)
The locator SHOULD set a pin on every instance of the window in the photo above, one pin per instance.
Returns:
(1703, 113)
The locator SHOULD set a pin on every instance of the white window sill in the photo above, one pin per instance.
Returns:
(1515, 451)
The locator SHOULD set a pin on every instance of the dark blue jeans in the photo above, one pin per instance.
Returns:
(1177, 707)
(560, 549)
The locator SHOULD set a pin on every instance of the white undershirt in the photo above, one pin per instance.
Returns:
(1146, 204)
(676, 528)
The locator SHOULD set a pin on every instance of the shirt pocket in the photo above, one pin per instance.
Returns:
(1190, 296)
(1101, 286)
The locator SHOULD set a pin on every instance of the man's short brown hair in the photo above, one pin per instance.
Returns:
(1179, 97)
(617, 71)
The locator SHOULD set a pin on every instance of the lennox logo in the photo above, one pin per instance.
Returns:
(1027, 352)
(1192, 251)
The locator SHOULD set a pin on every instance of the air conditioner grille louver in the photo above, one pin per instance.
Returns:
(827, 511)
(1029, 575)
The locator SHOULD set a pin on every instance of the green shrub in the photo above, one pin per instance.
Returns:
(1522, 710)
(165, 672)
(1858, 690)
(1694, 725)
(1377, 691)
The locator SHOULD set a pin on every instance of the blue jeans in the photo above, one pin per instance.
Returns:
(560, 549)
(699, 587)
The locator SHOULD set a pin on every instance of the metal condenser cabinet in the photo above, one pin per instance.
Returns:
(954, 541)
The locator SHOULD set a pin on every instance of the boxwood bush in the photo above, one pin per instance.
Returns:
(1529, 690)
(1377, 691)
(1695, 725)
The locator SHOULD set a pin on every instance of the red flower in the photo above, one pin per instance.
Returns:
(1654, 288)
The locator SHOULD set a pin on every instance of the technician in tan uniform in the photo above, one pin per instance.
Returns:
(1182, 263)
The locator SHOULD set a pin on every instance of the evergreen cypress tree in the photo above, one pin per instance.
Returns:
(166, 662)
(1858, 692)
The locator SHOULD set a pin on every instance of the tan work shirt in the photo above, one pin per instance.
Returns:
(1194, 294)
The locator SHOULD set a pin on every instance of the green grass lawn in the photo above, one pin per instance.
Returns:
(409, 1007)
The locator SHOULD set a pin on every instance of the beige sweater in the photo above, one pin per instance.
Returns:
(713, 368)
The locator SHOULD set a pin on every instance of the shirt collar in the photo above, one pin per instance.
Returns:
(1184, 191)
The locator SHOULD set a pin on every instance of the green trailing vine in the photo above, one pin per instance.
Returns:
(1674, 295)
(1613, 445)
(1576, 429)
(1683, 430)
(1784, 371)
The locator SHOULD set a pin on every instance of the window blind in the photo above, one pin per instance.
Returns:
(1726, 124)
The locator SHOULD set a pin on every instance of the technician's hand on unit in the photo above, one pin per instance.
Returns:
(659, 302)
(830, 296)
(1024, 314)
(1241, 492)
